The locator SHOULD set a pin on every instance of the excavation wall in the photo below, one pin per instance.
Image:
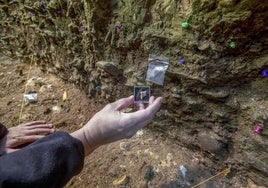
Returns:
(215, 88)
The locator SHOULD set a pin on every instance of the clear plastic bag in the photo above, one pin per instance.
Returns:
(157, 69)
(30, 98)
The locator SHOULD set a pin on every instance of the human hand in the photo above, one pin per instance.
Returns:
(110, 124)
(24, 134)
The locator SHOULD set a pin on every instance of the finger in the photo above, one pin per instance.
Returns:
(29, 139)
(151, 100)
(18, 141)
(32, 123)
(143, 116)
(39, 131)
(10, 150)
(155, 105)
(123, 103)
(45, 126)
(140, 106)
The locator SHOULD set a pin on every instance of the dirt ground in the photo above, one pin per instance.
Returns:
(149, 159)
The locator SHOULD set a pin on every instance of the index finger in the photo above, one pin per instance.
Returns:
(122, 103)
(33, 123)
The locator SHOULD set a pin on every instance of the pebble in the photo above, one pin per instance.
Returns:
(56, 109)
(72, 69)
(120, 181)
(215, 93)
(44, 9)
(109, 67)
(177, 96)
(64, 96)
(210, 142)
(140, 133)
(204, 45)
(183, 171)
(256, 48)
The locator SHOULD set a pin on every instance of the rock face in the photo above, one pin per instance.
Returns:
(214, 99)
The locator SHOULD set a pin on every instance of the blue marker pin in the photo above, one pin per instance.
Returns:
(265, 73)
(118, 26)
(182, 61)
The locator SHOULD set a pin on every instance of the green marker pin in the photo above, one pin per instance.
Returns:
(185, 25)
(232, 44)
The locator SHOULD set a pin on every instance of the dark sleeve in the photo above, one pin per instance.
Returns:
(49, 162)
(3, 131)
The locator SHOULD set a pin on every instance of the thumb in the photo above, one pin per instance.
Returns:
(10, 150)
(149, 112)
(123, 103)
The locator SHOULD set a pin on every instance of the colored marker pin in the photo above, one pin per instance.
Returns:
(182, 61)
(265, 73)
(43, 3)
(82, 28)
(258, 129)
(185, 25)
(232, 44)
(59, 12)
(117, 26)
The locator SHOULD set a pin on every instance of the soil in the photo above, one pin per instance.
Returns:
(149, 159)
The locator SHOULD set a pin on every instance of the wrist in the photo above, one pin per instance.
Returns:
(86, 140)
(80, 135)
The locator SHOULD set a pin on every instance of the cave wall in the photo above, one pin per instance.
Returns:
(212, 102)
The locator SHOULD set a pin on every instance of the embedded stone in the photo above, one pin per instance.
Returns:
(109, 67)
(204, 45)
